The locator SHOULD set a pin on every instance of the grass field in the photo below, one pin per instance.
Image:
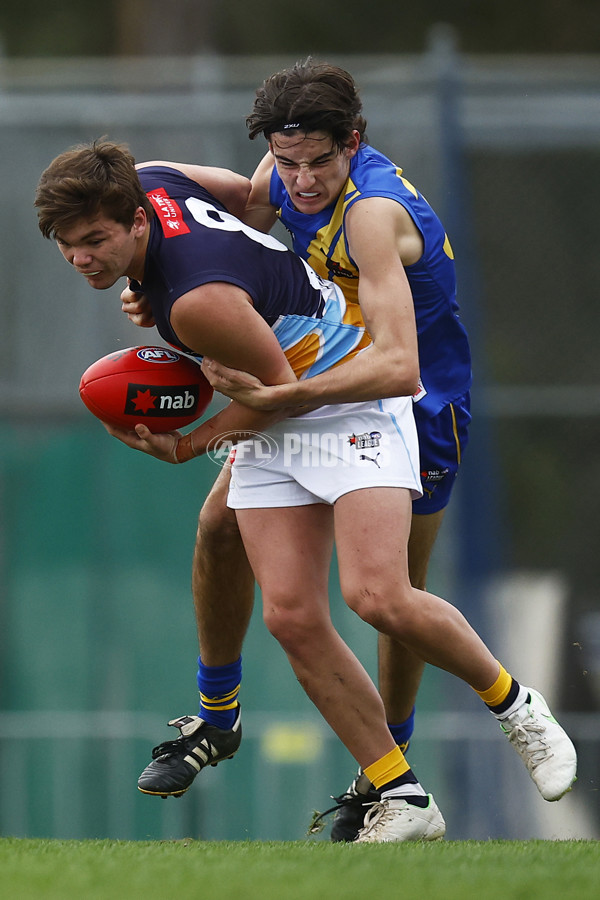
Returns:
(302, 870)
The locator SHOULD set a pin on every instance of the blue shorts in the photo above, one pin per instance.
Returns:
(442, 442)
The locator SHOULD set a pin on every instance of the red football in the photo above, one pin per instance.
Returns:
(155, 385)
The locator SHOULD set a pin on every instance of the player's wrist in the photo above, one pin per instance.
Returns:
(184, 448)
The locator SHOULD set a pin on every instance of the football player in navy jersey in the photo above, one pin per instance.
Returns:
(245, 303)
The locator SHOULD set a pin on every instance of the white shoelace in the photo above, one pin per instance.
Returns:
(528, 741)
(379, 815)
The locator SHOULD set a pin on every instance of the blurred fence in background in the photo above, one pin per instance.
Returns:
(96, 629)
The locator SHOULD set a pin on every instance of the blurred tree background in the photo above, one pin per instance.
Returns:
(139, 27)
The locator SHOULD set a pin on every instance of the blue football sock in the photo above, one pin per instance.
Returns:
(219, 687)
(402, 732)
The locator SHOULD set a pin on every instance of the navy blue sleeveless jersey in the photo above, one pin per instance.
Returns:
(194, 240)
(320, 239)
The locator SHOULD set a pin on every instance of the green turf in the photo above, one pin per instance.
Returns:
(302, 870)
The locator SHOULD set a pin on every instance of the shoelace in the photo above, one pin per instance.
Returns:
(317, 825)
(526, 737)
(167, 748)
(377, 812)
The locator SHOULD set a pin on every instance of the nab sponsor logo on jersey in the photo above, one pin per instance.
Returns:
(168, 212)
(161, 402)
(158, 355)
(434, 476)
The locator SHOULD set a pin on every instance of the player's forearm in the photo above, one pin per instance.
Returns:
(229, 426)
(262, 218)
(372, 375)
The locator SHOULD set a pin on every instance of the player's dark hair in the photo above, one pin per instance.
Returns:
(307, 97)
(87, 180)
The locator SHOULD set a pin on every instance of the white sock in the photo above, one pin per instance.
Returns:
(404, 790)
(521, 698)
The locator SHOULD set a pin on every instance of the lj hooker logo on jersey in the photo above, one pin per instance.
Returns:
(168, 212)
(156, 401)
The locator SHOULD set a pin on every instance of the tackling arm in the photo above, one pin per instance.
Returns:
(376, 228)
(259, 213)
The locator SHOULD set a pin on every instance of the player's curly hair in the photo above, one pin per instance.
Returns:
(87, 180)
(309, 96)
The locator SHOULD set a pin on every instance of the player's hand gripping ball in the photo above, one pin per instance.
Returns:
(155, 385)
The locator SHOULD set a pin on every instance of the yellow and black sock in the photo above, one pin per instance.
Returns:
(392, 777)
(504, 695)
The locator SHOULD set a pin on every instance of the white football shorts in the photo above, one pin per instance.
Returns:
(318, 457)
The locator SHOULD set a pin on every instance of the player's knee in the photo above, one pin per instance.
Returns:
(386, 611)
(217, 524)
(288, 622)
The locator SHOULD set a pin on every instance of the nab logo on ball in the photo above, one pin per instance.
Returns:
(150, 400)
(156, 385)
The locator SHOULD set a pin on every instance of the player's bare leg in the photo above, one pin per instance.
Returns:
(439, 634)
(222, 580)
(400, 671)
(400, 674)
(223, 590)
(373, 565)
(290, 550)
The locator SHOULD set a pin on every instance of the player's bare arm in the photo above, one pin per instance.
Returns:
(259, 213)
(389, 367)
(219, 319)
(228, 426)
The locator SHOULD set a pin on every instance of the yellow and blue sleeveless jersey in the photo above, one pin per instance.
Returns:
(320, 239)
(194, 240)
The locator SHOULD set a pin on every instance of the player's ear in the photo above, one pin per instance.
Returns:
(140, 220)
(353, 145)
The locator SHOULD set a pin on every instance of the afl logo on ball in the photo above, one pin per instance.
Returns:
(158, 355)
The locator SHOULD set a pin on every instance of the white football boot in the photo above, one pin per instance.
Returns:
(543, 745)
(394, 819)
